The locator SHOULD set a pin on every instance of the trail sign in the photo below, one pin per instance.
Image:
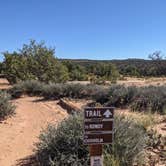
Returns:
(98, 125)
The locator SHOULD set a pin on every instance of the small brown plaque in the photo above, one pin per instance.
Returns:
(98, 126)
(91, 139)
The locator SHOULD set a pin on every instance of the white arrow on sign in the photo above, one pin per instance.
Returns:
(107, 113)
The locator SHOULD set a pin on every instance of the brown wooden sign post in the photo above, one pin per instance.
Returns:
(98, 130)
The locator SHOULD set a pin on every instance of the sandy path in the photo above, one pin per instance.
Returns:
(19, 133)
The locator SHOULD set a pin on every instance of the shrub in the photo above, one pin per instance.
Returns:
(29, 87)
(120, 96)
(100, 94)
(6, 108)
(34, 61)
(142, 99)
(56, 91)
(129, 141)
(74, 90)
(151, 99)
(63, 145)
(146, 120)
(52, 91)
(82, 91)
(97, 80)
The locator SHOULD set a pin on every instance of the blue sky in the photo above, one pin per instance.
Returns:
(87, 29)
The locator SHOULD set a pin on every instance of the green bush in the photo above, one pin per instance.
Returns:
(55, 91)
(97, 80)
(1, 68)
(6, 108)
(34, 61)
(151, 99)
(142, 99)
(29, 87)
(101, 95)
(74, 90)
(63, 145)
(120, 96)
(129, 141)
(82, 91)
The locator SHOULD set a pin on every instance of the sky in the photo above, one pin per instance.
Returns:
(85, 29)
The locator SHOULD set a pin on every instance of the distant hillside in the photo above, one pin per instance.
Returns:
(139, 67)
(117, 62)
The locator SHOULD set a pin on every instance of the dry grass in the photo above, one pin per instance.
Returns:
(133, 81)
(147, 120)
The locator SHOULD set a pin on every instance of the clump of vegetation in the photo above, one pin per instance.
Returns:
(142, 99)
(97, 74)
(146, 120)
(129, 140)
(155, 67)
(55, 91)
(152, 99)
(6, 107)
(121, 96)
(34, 62)
(97, 80)
(63, 145)
(76, 72)
(52, 91)
(1, 67)
(116, 95)
(29, 87)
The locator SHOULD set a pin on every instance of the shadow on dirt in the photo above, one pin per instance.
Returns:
(28, 161)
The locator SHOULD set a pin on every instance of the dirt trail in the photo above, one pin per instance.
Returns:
(19, 133)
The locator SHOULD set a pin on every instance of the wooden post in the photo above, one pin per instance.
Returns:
(96, 158)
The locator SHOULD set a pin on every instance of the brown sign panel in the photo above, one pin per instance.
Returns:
(98, 125)
(91, 139)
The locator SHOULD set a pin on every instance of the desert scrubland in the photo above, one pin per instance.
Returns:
(37, 128)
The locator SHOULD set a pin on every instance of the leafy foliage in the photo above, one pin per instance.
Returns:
(76, 72)
(97, 74)
(129, 67)
(1, 67)
(6, 108)
(34, 61)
